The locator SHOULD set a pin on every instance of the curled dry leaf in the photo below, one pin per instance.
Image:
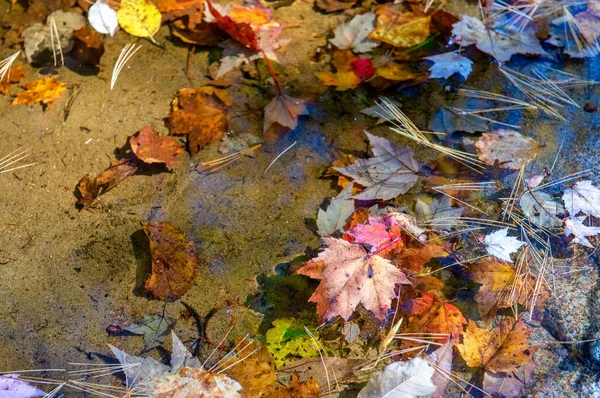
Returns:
(502, 349)
(174, 261)
(200, 114)
(149, 147)
(118, 171)
(509, 148)
(400, 28)
(46, 91)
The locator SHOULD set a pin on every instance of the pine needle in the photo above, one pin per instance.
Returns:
(126, 54)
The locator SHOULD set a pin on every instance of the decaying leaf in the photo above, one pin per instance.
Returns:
(391, 171)
(350, 276)
(430, 314)
(154, 328)
(335, 5)
(312, 368)
(509, 148)
(584, 198)
(500, 245)
(89, 189)
(442, 358)
(354, 35)
(149, 147)
(541, 208)
(46, 91)
(439, 213)
(193, 383)
(15, 75)
(503, 349)
(510, 384)
(297, 389)
(574, 226)
(174, 261)
(381, 234)
(400, 28)
(284, 111)
(139, 18)
(200, 114)
(447, 64)
(256, 372)
(337, 213)
(411, 379)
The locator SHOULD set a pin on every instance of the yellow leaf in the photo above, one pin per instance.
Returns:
(342, 81)
(400, 29)
(139, 18)
(396, 72)
(46, 91)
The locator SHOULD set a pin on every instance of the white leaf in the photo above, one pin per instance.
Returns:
(401, 380)
(574, 226)
(447, 64)
(354, 35)
(442, 358)
(499, 245)
(541, 209)
(583, 197)
(180, 356)
(334, 218)
(500, 42)
(139, 370)
(103, 18)
(12, 387)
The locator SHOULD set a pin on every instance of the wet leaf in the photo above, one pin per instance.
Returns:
(342, 80)
(511, 149)
(148, 369)
(584, 198)
(574, 226)
(442, 358)
(89, 189)
(380, 234)
(139, 18)
(256, 373)
(284, 111)
(46, 91)
(174, 261)
(15, 75)
(154, 328)
(241, 30)
(541, 208)
(174, 9)
(337, 213)
(193, 383)
(350, 276)
(430, 314)
(391, 171)
(438, 214)
(509, 384)
(503, 349)
(447, 64)
(103, 18)
(312, 368)
(500, 245)
(354, 35)
(287, 341)
(399, 28)
(149, 147)
(411, 379)
(335, 5)
(13, 387)
(297, 389)
(201, 115)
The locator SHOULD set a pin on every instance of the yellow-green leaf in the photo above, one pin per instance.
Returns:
(139, 18)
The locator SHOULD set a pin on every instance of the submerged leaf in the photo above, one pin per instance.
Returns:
(391, 171)
(584, 198)
(439, 214)
(139, 370)
(46, 91)
(509, 148)
(149, 147)
(255, 373)
(337, 213)
(574, 226)
(411, 379)
(284, 111)
(442, 358)
(447, 64)
(399, 28)
(13, 387)
(354, 35)
(430, 314)
(139, 18)
(541, 208)
(174, 261)
(287, 341)
(194, 383)
(501, 246)
(154, 328)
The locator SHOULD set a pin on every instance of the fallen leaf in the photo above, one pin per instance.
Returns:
(255, 373)
(284, 111)
(202, 34)
(14, 75)
(508, 385)
(501, 246)
(395, 72)
(147, 370)
(193, 383)
(400, 28)
(407, 223)
(175, 9)
(430, 314)
(439, 214)
(201, 115)
(312, 368)
(354, 35)
(411, 379)
(335, 5)
(447, 64)
(350, 276)
(13, 387)
(88, 46)
(391, 171)
(297, 389)
(503, 349)
(339, 210)
(118, 171)
(414, 258)
(584, 198)
(578, 33)
(139, 18)
(288, 340)
(342, 80)
(342, 180)
(88, 191)
(376, 112)
(501, 42)
(154, 328)
(541, 209)
(149, 147)
(234, 143)
(174, 261)
(509, 148)
(241, 31)
(442, 358)
(103, 18)
(46, 91)
(381, 234)
(574, 226)
(363, 68)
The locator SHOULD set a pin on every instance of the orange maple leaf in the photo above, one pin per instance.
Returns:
(430, 314)
(46, 91)
(350, 276)
(503, 349)
(15, 75)
(256, 373)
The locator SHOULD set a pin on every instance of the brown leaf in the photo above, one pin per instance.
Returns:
(509, 148)
(88, 191)
(174, 9)
(503, 349)
(46, 91)
(430, 314)
(88, 46)
(284, 111)
(203, 34)
(297, 389)
(256, 373)
(335, 5)
(174, 261)
(313, 368)
(200, 114)
(118, 171)
(197, 383)
(149, 147)
(16, 74)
